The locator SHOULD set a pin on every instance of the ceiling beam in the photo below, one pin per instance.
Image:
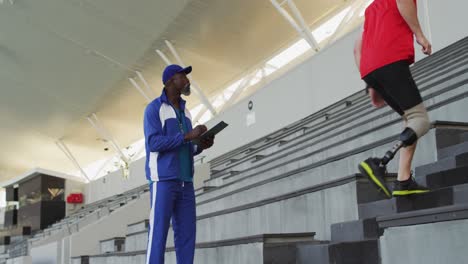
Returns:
(61, 145)
(300, 25)
(96, 124)
(140, 90)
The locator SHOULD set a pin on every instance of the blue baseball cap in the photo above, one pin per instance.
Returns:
(172, 70)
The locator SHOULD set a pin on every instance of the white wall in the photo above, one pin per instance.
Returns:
(448, 21)
(115, 183)
(46, 254)
(443, 22)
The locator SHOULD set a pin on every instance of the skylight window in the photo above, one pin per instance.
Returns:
(328, 28)
(363, 11)
(289, 54)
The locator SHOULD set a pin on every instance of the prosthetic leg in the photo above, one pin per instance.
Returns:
(407, 138)
(417, 126)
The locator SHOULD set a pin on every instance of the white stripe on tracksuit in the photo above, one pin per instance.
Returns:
(151, 222)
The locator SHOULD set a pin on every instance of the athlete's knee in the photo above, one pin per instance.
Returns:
(408, 137)
(417, 120)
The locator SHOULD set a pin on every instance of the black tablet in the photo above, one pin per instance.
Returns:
(212, 132)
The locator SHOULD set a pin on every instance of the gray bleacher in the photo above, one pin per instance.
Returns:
(88, 214)
(299, 184)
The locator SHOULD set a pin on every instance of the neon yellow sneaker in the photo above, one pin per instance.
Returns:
(408, 187)
(371, 168)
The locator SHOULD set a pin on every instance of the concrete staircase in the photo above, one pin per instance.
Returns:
(378, 236)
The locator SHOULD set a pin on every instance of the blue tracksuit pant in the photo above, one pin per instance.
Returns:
(172, 200)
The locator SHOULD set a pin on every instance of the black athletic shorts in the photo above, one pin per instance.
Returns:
(396, 85)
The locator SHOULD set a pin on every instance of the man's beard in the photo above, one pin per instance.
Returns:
(186, 90)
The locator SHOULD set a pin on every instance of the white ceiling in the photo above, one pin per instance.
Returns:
(63, 60)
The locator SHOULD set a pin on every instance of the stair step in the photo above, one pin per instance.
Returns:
(362, 229)
(115, 244)
(138, 227)
(231, 161)
(437, 198)
(460, 194)
(451, 137)
(432, 215)
(454, 195)
(283, 253)
(317, 254)
(205, 188)
(249, 150)
(366, 192)
(137, 241)
(362, 252)
(452, 150)
(464, 137)
(231, 173)
(257, 158)
(214, 171)
(358, 252)
(456, 176)
(442, 165)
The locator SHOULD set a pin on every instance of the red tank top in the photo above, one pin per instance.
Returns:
(387, 38)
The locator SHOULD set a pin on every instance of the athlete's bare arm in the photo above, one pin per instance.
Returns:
(409, 13)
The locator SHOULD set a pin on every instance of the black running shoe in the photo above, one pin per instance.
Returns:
(408, 187)
(376, 173)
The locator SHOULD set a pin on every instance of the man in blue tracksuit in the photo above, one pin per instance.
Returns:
(169, 167)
